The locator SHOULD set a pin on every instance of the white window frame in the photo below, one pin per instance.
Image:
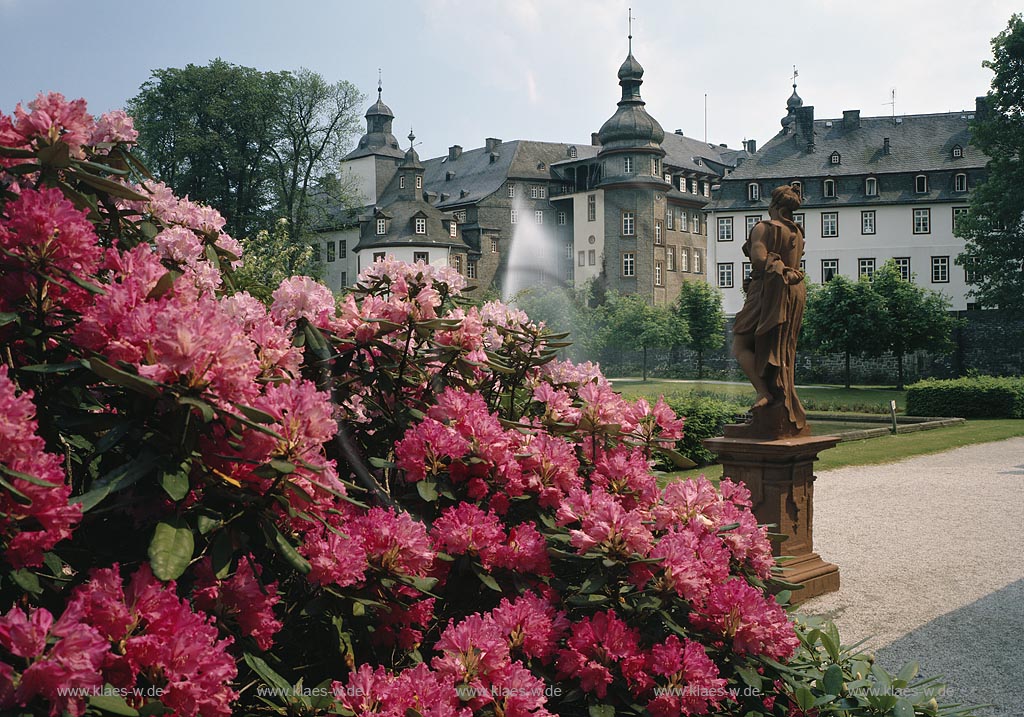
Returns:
(725, 229)
(534, 189)
(420, 225)
(471, 269)
(797, 186)
(382, 226)
(684, 259)
(628, 224)
(922, 220)
(511, 190)
(561, 219)
(960, 182)
(725, 277)
(940, 269)
(753, 192)
(751, 222)
(695, 221)
(829, 229)
(592, 257)
(401, 181)
(627, 165)
(591, 207)
(697, 266)
(957, 213)
(921, 184)
(628, 263)
(670, 218)
(419, 181)
(513, 216)
(670, 258)
(828, 188)
(835, 158)
(581, 257)
(747, 268)
(826, 266)
(871, 187)
(658, 237)
(494, 245)
(866, 267)
(867, 221)
(453, 229)
(659, 276)
(903, 266)
(330, 251)
(423, 256)
(538, 216)
(798, 219)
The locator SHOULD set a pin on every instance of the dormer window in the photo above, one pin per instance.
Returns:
(871, 187)
(572, 152)
(420, 225)
(835, 158)
(511, 190)
(958, 151)
(921, 184)
(382, 226)
(452, 229)
(960, 183)
(419, 182)
(797, 186)
(753, 191)
(401, 182)
(627, 165)
(830, 188)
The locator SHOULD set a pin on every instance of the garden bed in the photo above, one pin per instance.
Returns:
(863, 426)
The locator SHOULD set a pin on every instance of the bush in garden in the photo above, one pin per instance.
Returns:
(394, 504)
(705, 418)
(967, 397)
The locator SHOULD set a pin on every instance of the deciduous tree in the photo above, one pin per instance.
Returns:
(699, 305)
(844, 317)
(630, 323)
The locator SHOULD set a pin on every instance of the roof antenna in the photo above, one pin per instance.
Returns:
(705, 118)
(892, 93)
(630, 20)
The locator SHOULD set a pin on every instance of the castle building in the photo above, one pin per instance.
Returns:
(874, 189)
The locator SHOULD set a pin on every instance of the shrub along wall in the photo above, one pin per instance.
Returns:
(705, 418)
(971, 397)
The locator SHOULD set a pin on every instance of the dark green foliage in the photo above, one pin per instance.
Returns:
(843, 316)
(970, 397)
(993, 227)
(699, 305)
(629, 322)
(705, 418)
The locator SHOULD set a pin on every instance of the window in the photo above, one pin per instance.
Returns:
(669, 216)
(835, 158)
(572, 152)
(867, 222)
(693, 186)
(382, 226)
(655, 169)
(460, 216)
(378, 256)
(903, 265)
(513, 216)
(921, 184)
(591, 257)
(960, 183)
(628, 224)
(581, 258)
(958, 151)
(330, 251)
(830, 224)
(959, 213)
(421, 225)
(866, 267)
(682, 184)
(696, 261)
(511, 190)
(830, 188)
(670, 259)
(591, 207)
(561, 218)
(971, 273)
(401, 182)
(629, 264)
(533, 191)
(829, 269)
(747, 268)
(657, 232)
(494, 245)
(627, 165)
(753, 191)
(922, 221)
(568, 250)
(871, 187)
(419, 182)
(421, 256)
(707, 188)
(457, 262)
(538, 216)
(668, 177)
(695, 221)
(803, 265)
(453, 229)
(725, 276)
(797, 186)
(343, 248)
(471, 269)
(344, 278)
(752, 222)
(940, 269)
(798, 219)
(684, 259)
(658, 276)
(725, 229)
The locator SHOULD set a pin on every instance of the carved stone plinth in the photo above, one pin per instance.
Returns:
(780, 476)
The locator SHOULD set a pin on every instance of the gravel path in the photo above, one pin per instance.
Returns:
(931, 557)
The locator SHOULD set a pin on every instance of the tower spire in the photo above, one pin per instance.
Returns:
(630, 23)
(795, 75)
(380, 86)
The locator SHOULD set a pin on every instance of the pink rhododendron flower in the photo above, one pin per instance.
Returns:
(428, 448)
(51, 119)
(115, 126)
(241, 598)
(395, 542)
(604, 523)
(390, 269)
(471, 650)
(693, 685)
(693, 560)
(30, 529)
(335, 559)
(595, 646)
(67, 671)
(180, 245)
(753, 621)
(625, 472)
(532, 626)
(464, 529)
(301, 297)
(525, 552)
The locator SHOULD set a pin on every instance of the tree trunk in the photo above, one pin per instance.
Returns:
(700, 364)
(645, 364)
(847, 369)
(899, 371)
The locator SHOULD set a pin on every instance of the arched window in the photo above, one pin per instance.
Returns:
(830, 188)
(960, 183)
(753, 191)
(871, 187)
(572, 152)
(921, 184)
(797, 186)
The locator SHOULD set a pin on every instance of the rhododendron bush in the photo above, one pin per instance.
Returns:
(393, 502)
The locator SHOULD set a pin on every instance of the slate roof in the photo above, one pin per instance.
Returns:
(475, 176)
(681, 151)
(917, 144)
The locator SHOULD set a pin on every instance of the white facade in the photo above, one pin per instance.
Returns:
(434, 255)
(588, 236)
(361, 173)
(338, 261)
(921, 234)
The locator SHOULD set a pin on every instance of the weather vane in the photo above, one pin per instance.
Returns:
(630, 23)
(795, 75)
(379, 83)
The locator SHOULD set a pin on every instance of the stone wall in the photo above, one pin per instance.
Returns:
(988, 342)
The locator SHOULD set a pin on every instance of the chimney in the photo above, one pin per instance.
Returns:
(750, 145)
(981, 108)
(454, 152)
(679, 132)
(594, 141)
(885, 146)
(491, 143)
(448, 176)
(851, 119)
(805, 125)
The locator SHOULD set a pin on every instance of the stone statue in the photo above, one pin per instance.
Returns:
(767, 327)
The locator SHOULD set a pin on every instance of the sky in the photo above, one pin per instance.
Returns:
(459, 71)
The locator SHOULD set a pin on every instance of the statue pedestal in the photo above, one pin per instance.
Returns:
(779, 473)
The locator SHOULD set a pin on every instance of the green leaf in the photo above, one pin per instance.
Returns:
(111, 187)
(118, 479)
(678, 459)
(154, 708)
(56, 155)
(8, 317)
(255, 414)
(601, 711)
(221, 553)
(903, 708)
(171, 548)
(25, 477)
(175, 484)
(163, 285)
(205, 408)
(112, 703)
(830, 646)
(52, 367)
(427, 488)
(266, 673)
(804, 698)
(487, 579)
(285, 549)
(909, 672)
(122, 378)
(750, 677)
(27, 581)
(832, 682)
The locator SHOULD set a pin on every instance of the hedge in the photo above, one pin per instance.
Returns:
(705, 418)
(970, 397)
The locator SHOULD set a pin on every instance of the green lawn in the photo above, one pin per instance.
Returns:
(864, 399)
(887, 449)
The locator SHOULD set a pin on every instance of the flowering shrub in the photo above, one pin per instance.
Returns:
(392, 503)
